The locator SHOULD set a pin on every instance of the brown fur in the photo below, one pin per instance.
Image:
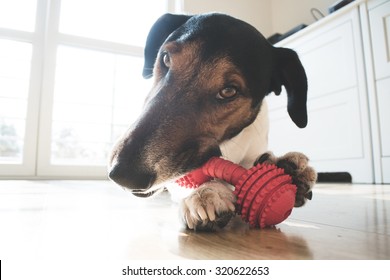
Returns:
(208, 129)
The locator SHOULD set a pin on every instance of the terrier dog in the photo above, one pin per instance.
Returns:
(211, 74)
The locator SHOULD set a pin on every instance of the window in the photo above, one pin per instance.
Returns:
(15, 66)
(18, 14)
(70, 82)
(110, 20)
(93, 103)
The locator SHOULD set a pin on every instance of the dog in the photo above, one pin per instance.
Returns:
(211, 73)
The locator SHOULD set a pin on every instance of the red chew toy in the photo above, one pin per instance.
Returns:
(265, 194)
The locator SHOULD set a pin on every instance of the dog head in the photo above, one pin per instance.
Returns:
(211, 73)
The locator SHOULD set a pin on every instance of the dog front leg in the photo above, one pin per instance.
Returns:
(297, 166)
(208, 207)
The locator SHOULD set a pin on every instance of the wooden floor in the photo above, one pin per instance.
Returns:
(94, 219)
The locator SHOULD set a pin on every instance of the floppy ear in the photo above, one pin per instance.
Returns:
(159, 32)
(290, 73)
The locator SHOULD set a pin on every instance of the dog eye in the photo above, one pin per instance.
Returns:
(227, 93)
(166, 60)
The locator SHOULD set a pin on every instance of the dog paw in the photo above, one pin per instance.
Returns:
(297, 166)
(209, 207)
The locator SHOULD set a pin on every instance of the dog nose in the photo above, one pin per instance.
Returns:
(128, 177)
(116, 173)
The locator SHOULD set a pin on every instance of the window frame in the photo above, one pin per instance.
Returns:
(28, 165)
(45, 40)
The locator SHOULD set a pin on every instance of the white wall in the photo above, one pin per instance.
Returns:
(268, 16)
(286, 14)
(255, 12)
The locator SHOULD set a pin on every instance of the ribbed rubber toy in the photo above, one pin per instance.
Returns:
(265, 194)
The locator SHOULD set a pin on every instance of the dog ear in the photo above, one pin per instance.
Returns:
(290, 73)
(159, 32)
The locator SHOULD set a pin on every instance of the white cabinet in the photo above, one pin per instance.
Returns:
(379, 22)
(380, 34)
(338, 135)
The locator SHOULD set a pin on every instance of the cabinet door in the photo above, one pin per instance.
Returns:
(379, 18)
(383, 96)
(337, 137)
(380, 32)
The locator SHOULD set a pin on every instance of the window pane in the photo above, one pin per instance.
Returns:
(120, 21)
(97, 96)
(18, 14)
(15, 63)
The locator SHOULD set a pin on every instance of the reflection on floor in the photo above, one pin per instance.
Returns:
(94, 219)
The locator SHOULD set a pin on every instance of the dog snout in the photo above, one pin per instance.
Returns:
(131, 178)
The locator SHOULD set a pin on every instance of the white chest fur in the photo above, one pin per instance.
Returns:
(244, 148)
